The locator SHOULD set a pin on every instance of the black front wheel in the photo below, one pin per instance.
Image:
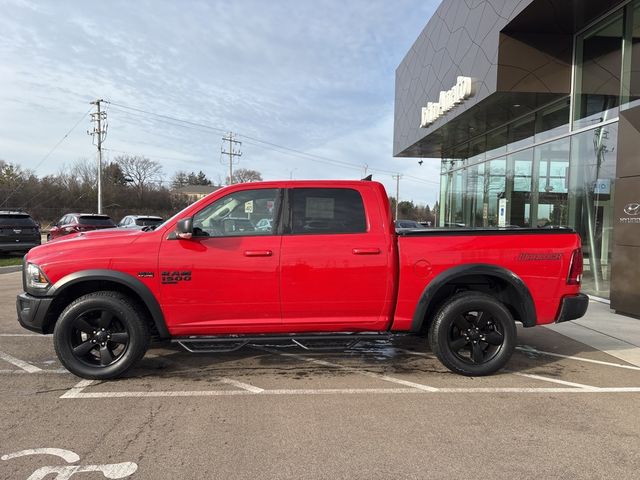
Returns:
(473, 334)
(101, 335)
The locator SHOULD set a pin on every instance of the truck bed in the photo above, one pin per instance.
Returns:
(539, 258)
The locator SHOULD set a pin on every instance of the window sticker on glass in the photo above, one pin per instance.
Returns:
(248, 206)
(320, 207)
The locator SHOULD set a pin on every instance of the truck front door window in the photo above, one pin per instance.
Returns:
(244, 213)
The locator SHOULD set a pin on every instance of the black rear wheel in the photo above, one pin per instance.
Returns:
(101, 335)
(473, 334)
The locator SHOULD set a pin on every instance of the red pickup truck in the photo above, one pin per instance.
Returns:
(299, 260)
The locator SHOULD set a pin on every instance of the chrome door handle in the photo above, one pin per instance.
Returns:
(258, 253)
(366, 251)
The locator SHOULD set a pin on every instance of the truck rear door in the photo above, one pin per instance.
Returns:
(335, 261)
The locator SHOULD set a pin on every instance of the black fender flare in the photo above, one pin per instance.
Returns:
(525, 308)
(143, 292)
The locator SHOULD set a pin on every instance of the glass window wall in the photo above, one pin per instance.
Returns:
(592, 186)
(598, 72)
(518, 188)
(552, 182)
(631, 59)
(565, 182)
(521, 132)
(552, 121)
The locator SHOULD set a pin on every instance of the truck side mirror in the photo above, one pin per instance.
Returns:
(184, 228)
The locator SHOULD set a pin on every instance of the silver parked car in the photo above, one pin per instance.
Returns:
(139, 222)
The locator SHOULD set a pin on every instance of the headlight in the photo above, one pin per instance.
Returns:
(35, 278)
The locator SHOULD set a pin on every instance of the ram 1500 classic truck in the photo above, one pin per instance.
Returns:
(329, 264)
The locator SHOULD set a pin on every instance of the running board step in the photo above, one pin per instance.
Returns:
(324, 341)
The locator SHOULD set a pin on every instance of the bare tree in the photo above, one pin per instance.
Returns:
(140, 172)
(82, 172)
(180, 179)
(244, 175)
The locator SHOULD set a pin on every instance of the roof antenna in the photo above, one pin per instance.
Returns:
(367, 178)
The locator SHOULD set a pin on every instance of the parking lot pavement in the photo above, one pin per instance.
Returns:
(561, 409)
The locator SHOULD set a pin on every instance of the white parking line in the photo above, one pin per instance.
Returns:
(22, 335)
(366, 373)
(527, 349)
(22, 372)
(341, 391)
(553, 380)
(244, 386)
(27, 367)
(74, 391)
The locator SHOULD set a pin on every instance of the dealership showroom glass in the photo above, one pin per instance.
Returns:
(533, 108)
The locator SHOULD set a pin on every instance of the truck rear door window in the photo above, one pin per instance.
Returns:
(327, 210)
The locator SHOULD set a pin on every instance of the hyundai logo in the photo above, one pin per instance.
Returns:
(632, 208)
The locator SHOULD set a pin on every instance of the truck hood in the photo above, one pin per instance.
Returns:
(83, 244)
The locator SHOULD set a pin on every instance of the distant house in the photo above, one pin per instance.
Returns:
(194, 192)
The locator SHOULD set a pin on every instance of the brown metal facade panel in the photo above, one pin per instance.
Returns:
(625, 273)
(461, 39)
(518, 53)
(625, 279)
(628, 164)
(535, 63)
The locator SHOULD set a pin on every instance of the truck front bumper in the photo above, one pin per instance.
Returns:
(573, 307)
(32, 311)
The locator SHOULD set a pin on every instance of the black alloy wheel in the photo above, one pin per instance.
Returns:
(101, 335)
(474, 337)
(98, 337)
(473, 334)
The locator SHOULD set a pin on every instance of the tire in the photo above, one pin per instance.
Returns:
(101, 335)
(473, 334)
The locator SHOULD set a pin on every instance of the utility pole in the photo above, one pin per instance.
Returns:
(99, 134)
(231, 152)
(397, 177)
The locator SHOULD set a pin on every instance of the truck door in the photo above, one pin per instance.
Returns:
(225, 279)
(336, 265)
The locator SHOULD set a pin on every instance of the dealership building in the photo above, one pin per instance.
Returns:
(533, 108)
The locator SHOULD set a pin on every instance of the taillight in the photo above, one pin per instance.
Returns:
(575, 268)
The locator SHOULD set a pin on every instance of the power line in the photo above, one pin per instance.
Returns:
(39, 164)
(168, 117)
(261, 143)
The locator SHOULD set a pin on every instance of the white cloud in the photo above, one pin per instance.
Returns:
(316, 77)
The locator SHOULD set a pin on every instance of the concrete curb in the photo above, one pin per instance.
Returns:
(10, 269)
(602, 329)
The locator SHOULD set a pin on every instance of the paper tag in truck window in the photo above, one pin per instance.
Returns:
(319, 207)
(502, 212)
(248, 206)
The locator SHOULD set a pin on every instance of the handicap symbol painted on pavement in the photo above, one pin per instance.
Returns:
(64, 472)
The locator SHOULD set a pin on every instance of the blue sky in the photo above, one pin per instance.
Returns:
(316, 77)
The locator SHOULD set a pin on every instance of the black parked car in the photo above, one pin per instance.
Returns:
(18, 232)
(408, 225)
